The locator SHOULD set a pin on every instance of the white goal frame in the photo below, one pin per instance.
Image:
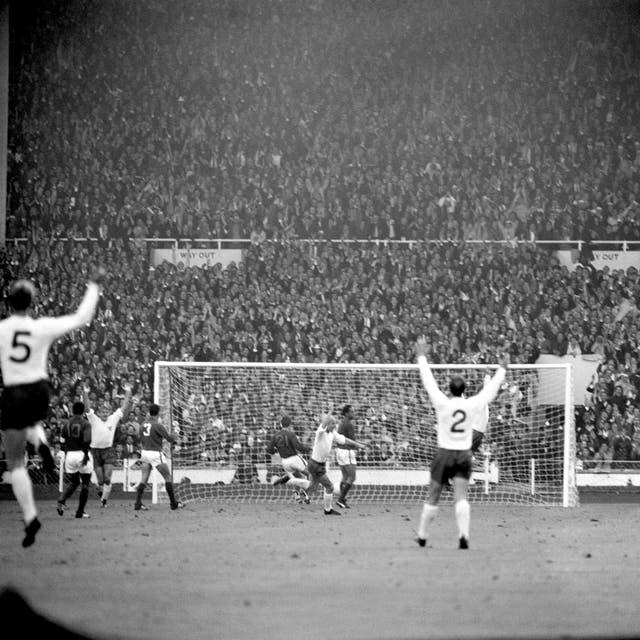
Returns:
(569, 484)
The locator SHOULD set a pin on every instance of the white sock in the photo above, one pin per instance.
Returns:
(427, 516)
(106, 490)
(463, 517)
(23, 491)
(303, 483)
(327, 498)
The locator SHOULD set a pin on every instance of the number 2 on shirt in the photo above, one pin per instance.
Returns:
(461, 417)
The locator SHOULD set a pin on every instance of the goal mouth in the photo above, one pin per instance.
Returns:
(223, 414)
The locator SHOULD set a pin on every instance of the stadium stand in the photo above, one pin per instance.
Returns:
(520, 122)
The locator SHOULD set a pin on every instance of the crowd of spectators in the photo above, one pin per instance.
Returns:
(329, 118)
(338, 302)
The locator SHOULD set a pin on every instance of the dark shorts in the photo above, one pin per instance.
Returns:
(24, 405)
(448, 464)
(316, 469)
(104, 456)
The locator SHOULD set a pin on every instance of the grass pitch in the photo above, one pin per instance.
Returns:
(267, 571)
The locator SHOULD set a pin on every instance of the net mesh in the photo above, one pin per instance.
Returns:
(224, 413)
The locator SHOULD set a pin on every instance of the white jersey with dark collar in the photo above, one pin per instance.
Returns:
(456, 415)
(25, 341)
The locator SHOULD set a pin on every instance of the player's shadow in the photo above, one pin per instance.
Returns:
(17, 613)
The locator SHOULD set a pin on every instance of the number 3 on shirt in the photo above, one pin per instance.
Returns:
(25, 349)
(146, 429)
(461, 417)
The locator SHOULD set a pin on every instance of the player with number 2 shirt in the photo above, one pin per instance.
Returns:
(454, 425)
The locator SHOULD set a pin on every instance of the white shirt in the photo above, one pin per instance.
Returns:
(454, 415)
(102, 431)
(25, 341)
(323, 442)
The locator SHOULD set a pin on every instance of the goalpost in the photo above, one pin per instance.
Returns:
(223, 414)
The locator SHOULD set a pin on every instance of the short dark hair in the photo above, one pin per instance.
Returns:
(154, 410)
(285, 421)
(346, 409)
(78, 408)
(457, 386)
(21, 295)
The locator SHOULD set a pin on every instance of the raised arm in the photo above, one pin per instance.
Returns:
(491, 388)
(85, 398)
(126, 402)
(428, 381)
(84, 313)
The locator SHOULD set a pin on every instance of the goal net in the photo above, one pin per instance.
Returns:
(224, 413)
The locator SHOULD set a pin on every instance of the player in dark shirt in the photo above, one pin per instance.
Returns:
(76, 440)
(152, 436)
(286, 444)
(346, 455)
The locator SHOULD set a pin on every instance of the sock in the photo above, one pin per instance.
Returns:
(84, 496)
(23, 491)
(170, 492)
(68, 492)
(106, 490)
(303, 483)
(139, 492)
(427, 516)
(341, 494)
(327, 498)
(345, 489)
(463, 517)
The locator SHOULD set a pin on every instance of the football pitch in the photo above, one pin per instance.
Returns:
(267, 571)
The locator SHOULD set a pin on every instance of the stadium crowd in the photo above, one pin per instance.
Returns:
(282, 121)
(326, 119)
(337, 302)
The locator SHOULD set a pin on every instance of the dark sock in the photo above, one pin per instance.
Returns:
(139, 492)
(345, 490)
(68, 492)
(84, 496)
(170, 492)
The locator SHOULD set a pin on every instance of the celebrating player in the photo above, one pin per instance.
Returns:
(346, 456)
(24, 347)
(152, 434)
(76, 440)
(326, 435)
(454, 432)
(289, 447)
(103, 429)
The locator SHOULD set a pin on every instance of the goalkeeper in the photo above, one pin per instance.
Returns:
(288, 446)
(454, 416)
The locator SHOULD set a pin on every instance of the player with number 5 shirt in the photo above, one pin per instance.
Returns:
(24, 348)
